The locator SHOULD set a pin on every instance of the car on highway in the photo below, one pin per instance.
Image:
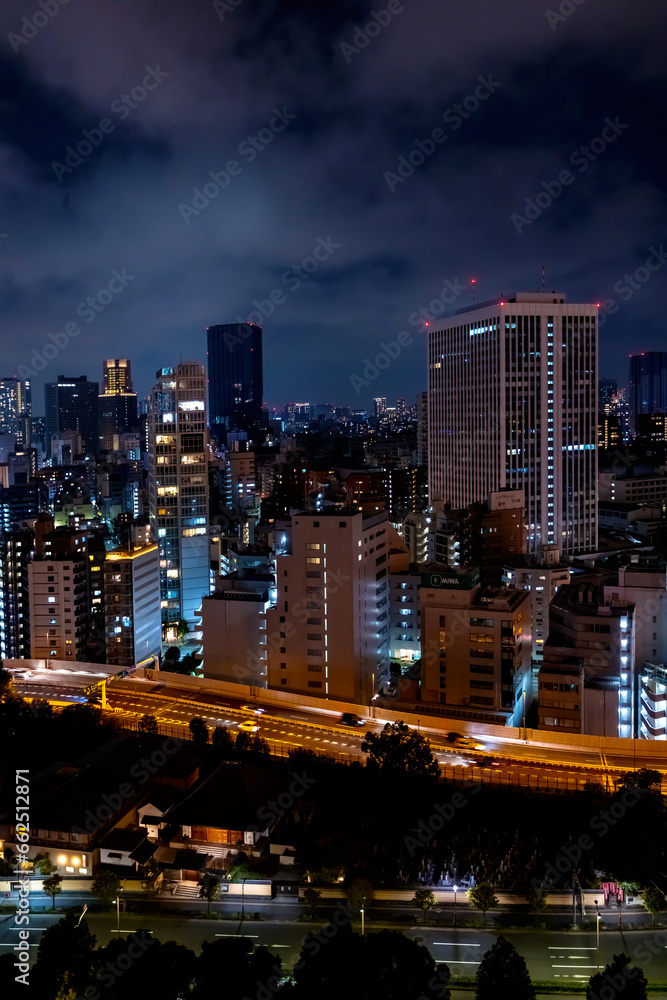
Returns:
(349, 719)
(248, 727)
(253, 708)
(465, 742)
(487, 761)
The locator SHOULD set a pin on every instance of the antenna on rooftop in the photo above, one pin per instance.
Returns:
(472, 282)
(544, 276)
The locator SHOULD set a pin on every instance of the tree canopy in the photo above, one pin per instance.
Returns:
(400, 750)
(503, 974)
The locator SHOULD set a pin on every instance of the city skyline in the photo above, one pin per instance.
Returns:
(317, 205)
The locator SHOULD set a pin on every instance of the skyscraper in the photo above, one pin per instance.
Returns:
(513, 405)
(72, 405)
(15, 409)
(648, 384)
(178, 490)
(118, 402)
(235, 378)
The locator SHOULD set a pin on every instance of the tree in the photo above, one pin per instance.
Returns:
(6, 683)
(221, 738)
(158, 969)
(311, 898)
(483, 898)
(503, 974)
(400, 751)
(619, 977)
(148, 724)
(66, 947)
(654, 901)
(182, 629)
(106, 886)
(240, 869)
(52, 887)
(209, 889)
(424, 900)
(360, 892)
(171, 657)
(42, 864)
(387, 965)
(189, 664)
(245, 968)
(198, 730)
(537, 901)
(643, 778)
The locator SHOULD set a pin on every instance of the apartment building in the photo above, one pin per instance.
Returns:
(475, 646)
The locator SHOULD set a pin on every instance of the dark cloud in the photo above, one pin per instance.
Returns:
(322, 176)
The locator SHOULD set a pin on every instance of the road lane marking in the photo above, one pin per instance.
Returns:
(462, 944)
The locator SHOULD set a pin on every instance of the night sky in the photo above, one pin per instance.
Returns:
(334, 96)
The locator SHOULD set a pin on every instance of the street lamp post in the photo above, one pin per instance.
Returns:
(597, 928)
(118, 913)
(362, 917)
(456, 889)
(242, 899)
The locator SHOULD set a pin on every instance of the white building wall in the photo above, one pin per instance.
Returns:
(513, 403)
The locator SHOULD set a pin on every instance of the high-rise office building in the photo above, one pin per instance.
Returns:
(16, 549)
(59, 585)
(117, 402)
(647, 388)
(607, 388)
(72, 405)
(235, 379)
(513, 404)
(178, 491)
(16, 409)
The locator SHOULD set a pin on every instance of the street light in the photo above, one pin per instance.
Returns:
(362, 916)
(242, 899)
(597, 927)
(118, 912)
(456, 889)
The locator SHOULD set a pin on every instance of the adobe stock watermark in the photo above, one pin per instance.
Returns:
(364, 34)
(271, 811)
(293, 278)
(454, 118)
(142, 771)
(222, 7)
(31, 26)
(88, 310)
(626, 286)
(582, 157)
(251, 146)
(571, 854)
(107, 974)
(390, 351)
(94, 137)
(442, 814)
(566, 9)
(303, 612)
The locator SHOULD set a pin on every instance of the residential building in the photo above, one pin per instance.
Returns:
(475, 646)
(513, 403)
(542, 576)
(652, 698)
(59, 588)
(16, 409)
(332, 607)
(132, 620)
(178, 491)
(586, 683)
(16, 550)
